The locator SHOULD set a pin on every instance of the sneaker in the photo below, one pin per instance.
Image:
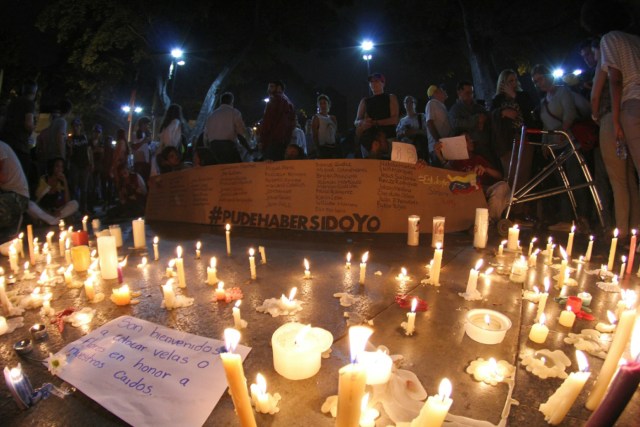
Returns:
(560, 226)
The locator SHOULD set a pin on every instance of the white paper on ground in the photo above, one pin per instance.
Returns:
(148, 374)
(403, 152)
(455, 148)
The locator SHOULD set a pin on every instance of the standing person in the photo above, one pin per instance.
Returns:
(120, 154)
(170, 135)
(58, 147)
(97, 146)
(19, 124)
(44, 142)
(278, 122)
(437, 117)
(14, 193)
(412, 128)
(620, 60)
(221, 131)
(140, 148)
(377, 112)
(468, 116)
(323, 129)
(80, 162)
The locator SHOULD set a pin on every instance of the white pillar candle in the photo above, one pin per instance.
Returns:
(434, 276)
(139, 239)
(542, 302)
(587, 255)
(557, 406)
(67, 251)
(623, 266)
(363, 267)
(156, 255)
(182, 283)
(612, 250)
(533, 240)
(68, 274)
(84, 223)
(212, 272)
(512, 238)
(89, 288)
(549, 251)
(519, 270)
(169, 295)
(539, 331)
(49, 238)
(438, 231)
(352, 380)
(570, 240)
(237, 320)
(108, 256)
(472, 282)
(567, 317)
(198, 247)
(413, 230)
(263, 254)
(232, 364)
(228, 235)
(435, 408)
(481, 228)
(533, 258)
(297, 350)
(116, 232)
(411, 317)
(307, 272)
(13, 259)
(563, 268)
(252, 264)
(501, 247)
(61, 240)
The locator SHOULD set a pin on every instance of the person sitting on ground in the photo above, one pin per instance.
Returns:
(489, 178)
(132, 194)
(53, 198)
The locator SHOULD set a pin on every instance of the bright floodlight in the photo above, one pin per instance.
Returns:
(558, 72)
(176, 53)
(366, 45)
(181, 62)
(266, 100)
(577, 72)
(125, 108)
(367, 57)
(138, 110)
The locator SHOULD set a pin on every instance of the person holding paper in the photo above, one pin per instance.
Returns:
(412, 128)
(496, 190)
(437, 118)
(468, 116)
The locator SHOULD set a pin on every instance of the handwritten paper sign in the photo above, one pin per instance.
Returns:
(148, 374)
(455, 148)
(403, 152)
(347, 195)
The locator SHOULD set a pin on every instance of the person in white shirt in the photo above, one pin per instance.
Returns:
(14, 192)
(437, 117)
(323, 128)
(412, 128)
(224, 127)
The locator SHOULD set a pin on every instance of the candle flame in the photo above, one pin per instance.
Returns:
(261, 383)
(478, 264)
(535, 239)
(630, 297)
(220, 285)
(364, 403)
(504, 242)
(48, 259)
(144, 261)
(156, 240)
(237, 305)
(306, 264)
(198, 245)
(85, 218)
(348, 256)
(612, 317)
(624, 259)
(444, 391)
(69, 269)
(231, 339)
(547, 284)
(26, 265)
(123, 263)
(563, 253)
(515, 226)
(49, 235)
(365, 257)
(543, 318)
(16, 373)
(172, 263)
(292, 294)
(414, 305)
(583, 364)
(227, 227)
(301, 335)
(543, 360)
(591, 238)
(358, 337)
(569, 309)
(536, 290)
(438, 245)
(213, 262)
(615, 233)
(550, 239)
(488, 271)
(21, 235)
(179, 251)
(634, 231)
(573, 227)
(487, 319)
(251, 252)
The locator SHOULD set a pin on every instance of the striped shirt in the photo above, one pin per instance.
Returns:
(622, 51)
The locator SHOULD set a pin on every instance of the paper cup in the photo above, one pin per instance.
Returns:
(438, 231)
(481, 228)
(413, 230)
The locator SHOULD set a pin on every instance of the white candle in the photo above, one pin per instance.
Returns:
(212, 272)
(533, 240)
(13, 259)
(438, 231)
(411, 318)
(549, 251)
(413, 230)
(436, 408)
(632, 250)
(481, 228)
(363, 267)
(89, 288)
(539, 331)
(169, 270)
(32, 256)
(378, 365)
(156, 255)
(434, 276)
(557, 406)
(116, 232)
(512, 238)
(567, 317)
(259, 395)
(61, 225)
(347, 265)
(533, 258)
(198, 246)
(108, 255)
(252, 264)
(84, 223)
(352, 380)
(307, 272)
(49, 238)
(501, 248)
(570, 240)
(297, 350)
(139, 239)
(67, 251)
(542, 302)
(623, 259)
(68, 274)
(169, 295)
(237, 320)
(4, 299)
(182, 283)
(263, 254)
(472, 282)
(563, 268)
(220, 294)
(612, 250)
(587, 255)
(228, 234)
(234, 372)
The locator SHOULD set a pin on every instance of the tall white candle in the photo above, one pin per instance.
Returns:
(182, 282)
(352, 380)
(533, 240)
(436, 408)
(623, 266)
(472, 282)
(587, 255)
(347, 264)
(89, 288)
(363, 267)
(116, 232)
(139, 239)
(533, 258)
(252, 264)
(570, 240)
(563, 268)
(108, 255)
(501, 247)
(67, 251)
(212, 272)
(612, 250)
(13, 259)
(434, 276)
(411, 318)
(549, 251)
(61, 240)
(234, 372)
(481, 228)
(413, 230)
(228, 235)
(169, 295)
(156, 255)
(21, 242)
(237, 319)
(512, 238)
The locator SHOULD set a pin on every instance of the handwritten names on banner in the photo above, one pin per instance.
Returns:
(148, 374)
(350, 195)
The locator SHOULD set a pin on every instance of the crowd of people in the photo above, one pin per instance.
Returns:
(69, 173)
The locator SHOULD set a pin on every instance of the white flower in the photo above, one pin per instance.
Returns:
(56, 363)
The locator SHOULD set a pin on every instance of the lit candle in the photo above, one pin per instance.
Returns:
(623, 259)
(220, 294)
(289, 303)
(512, 238)
(632, 250)
(533, 258)
(252, 264)
(567, 317)
(139, 239)
(143, 263)
(307, 272)
(259, 395)
(436, 408)
(587, 255)
(563, 268)
(61, 225)
(618, 345)
(586, 298)
(410, 326)
(80, 258)
(363, 267)
(298, 348)
(49, 238)
(67, 251)
(32, 255)
(89, 288)
(501, 248)
(36, 247)
(533, 240)
(612, 250)
(234, 372)
(121, 296)
(607, 329)
(519, 270)
(539, 331)
(108, 257)
(169, 295)
(352, 380)
(472, 282)
(169, 271)
(570, 240)
(543, 298)
(228, 233)
(13, 259)
(237, 320)
(212, 272)
(182, 283)
(84, 223)
(198, 246)
(557, 406)
(347, 265)
(116, 232)
(68, 274)
(434, 275)
(263, 254)
(549, 251)
(156, 255)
